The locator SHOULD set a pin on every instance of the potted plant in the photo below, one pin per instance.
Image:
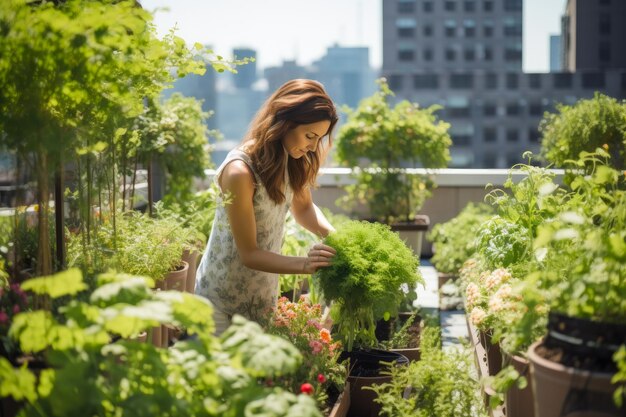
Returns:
(440, 384)
(389, 140)
(454, 241)
(321, 374)
(90, 375)
(364, 284)
(583, 282)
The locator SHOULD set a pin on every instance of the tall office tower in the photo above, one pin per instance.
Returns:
(466, 55)
(453, 35)
(594, 35)
(246, 74)
(346, 74)
(555, 53)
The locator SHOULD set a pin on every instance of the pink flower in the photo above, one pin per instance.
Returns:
(3, 317)
(16, 309)
(315, 346)
(321, 378)
(306, 388)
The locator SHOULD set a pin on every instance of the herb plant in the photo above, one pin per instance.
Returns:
(454, 240)
(365, 280)
(391, 139)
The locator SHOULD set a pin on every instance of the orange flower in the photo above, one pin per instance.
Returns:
(325, 335)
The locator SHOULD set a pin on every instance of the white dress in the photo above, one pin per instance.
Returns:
(222, 277)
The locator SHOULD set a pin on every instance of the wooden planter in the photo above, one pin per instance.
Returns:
(342, 405)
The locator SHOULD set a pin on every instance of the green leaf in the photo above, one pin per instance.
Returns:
(31, 330)
(58, 285)
(18, 383)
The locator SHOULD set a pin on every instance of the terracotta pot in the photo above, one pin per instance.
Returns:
(191, 257)
(566, 391)
(365, 370)
(177, 280)
(519, 402)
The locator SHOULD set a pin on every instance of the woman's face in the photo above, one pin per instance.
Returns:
(304, 138)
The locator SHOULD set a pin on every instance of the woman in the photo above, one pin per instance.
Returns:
(271, 172)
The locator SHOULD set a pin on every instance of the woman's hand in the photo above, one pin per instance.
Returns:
(320, 255)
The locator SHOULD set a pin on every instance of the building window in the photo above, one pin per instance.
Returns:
(469, 54)
(395, 82)
(488, 54)
(562, 80)
(428, 30)
(461, 139)
(488, 29)
(450, 54)
(512, 5)
(406, 55)
(512, 27)
(427, 54)
(450, 28)
(470, 28)
(425, 81)
(488, 6)
(512, 81)
(513, 53)
(458, 107)
(533, 135)
(605, 24)
(491, 81)
(461, 80)
(427, 6)
(604, 52)
(449, 6)
(512, 135)
(406, 32)
(535, 109)
(534, 81)
(469, 6)
(593, 80)
(513, 109)
(406, 6)
(489, 109)
(512, 159)
(490, 134)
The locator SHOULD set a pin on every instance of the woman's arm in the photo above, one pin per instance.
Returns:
(309, 216)
(237, 180)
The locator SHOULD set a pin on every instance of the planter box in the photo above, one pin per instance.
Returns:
(342, 405)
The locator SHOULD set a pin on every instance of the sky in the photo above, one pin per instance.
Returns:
(301, 30)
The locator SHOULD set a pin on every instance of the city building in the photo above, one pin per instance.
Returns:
(594, 35)
(466, 56)
(346, 74)
(555, 53)
(246, 74)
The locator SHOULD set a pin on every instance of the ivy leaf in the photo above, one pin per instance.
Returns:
(58, 285)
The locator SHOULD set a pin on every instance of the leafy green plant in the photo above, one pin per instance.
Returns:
(365, 280)
(454, 240)
(587, 125)
(391, 139)
(403, 334)
(297, 242)
(441, 384)
(91, 375)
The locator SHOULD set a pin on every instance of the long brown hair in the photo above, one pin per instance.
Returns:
(296, 102)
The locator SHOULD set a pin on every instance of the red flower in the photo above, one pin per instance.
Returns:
(306, 388)
(321, 378)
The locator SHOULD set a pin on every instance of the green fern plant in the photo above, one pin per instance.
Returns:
(367, 280)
